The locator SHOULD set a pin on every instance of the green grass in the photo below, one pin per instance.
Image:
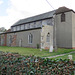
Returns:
(66, 56)
(31, 51)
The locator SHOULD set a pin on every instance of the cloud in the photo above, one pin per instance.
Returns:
(13, 16)
(19, 9)
(1, 1)
(33, 6)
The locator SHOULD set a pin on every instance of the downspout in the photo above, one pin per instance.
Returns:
(55, 42)
(41, 43)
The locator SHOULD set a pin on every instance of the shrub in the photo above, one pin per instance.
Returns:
(38, 46)
(15, 64)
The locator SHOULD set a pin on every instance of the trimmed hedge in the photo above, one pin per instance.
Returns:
(15, 64)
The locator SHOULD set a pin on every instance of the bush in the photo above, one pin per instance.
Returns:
(38, 46)
(15, 64)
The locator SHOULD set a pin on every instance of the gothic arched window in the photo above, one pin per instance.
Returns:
(48, 37)
(30, 38)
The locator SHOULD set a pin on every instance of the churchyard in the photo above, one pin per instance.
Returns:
(29, 61)
(35, 52)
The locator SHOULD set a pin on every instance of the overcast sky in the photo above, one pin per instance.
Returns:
(13, 10)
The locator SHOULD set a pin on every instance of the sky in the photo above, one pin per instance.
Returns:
(13, 10)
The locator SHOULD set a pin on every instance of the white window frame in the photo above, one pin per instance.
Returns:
(30, 38)
(38, 24)
(14, 28)
(28, 26)
(22, 27)
(18, 28)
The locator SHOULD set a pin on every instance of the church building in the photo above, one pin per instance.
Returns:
(56, 27)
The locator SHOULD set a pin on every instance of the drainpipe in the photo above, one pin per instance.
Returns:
(55, 43)
(41, 42)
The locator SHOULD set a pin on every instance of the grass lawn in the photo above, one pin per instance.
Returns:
(31, 51)
(66, 56)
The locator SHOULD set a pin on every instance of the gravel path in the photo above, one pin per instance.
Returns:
(60, 55)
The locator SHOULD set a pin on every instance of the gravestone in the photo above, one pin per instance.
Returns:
(70, 57)
(51, 49)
